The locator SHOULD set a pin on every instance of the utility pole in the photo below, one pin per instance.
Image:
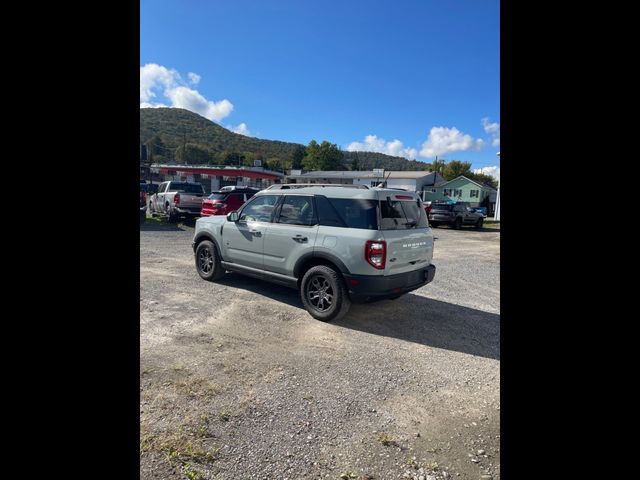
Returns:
(184, 144)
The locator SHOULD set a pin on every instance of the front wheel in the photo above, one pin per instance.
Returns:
(208, 261)
(479, 223)
(324, 293)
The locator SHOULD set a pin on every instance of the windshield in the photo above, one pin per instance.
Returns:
(445, 207)
(399, 215)
(185, 187)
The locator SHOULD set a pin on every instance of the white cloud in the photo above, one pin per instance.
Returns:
(155, 78)
(494, 171)
(374, 144)
(443, 140)
(194, 78)
(185, 97)
(492, 129)
(152, 105)
(241, 128)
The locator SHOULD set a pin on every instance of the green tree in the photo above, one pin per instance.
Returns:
(438, 166)
(298, 156)
(484, 179)
(233, 158)
(192, 154)
(355, 163)
(455, 168)
(326, 156)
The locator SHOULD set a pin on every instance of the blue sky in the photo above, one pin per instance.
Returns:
(412, 78)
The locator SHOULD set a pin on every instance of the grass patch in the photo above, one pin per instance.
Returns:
(386, 440)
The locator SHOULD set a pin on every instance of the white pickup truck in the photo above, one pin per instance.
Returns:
(177, 199)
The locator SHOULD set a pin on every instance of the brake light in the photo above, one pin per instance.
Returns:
(375, 252)
(176, 198)
(404, 197)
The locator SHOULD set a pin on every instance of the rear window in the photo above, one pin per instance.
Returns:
(217, 196)
(348, 213)
(185, 187)
(401, 214)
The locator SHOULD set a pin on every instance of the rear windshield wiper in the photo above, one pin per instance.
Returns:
(411, 224)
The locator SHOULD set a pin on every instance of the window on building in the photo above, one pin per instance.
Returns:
(457, 192)
(447, 192)
(474, 193)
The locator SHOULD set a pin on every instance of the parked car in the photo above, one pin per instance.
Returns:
(454, 214)
(177, 199)
(336, 245)
(223, 202)
(482, 210)
(143, 202)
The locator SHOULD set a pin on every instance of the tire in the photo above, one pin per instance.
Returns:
(208, 261)
(171, 215)
(324, 281)
(457, 223)
(479, 223)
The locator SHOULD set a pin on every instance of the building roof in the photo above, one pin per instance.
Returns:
(469, 180)
(362, 174)
(250, 172)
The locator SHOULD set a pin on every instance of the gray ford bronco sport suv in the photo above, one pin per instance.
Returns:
(335, 244)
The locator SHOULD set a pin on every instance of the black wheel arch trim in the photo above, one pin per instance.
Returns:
(202, 236)
(320, 255)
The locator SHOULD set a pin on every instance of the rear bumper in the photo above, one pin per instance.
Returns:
(364, 287)
(187, 210)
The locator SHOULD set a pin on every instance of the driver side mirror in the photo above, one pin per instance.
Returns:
(233, 217)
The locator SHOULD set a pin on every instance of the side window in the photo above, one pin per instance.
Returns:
(235, 199)
(297, 210)
(259, 209)
(162, 188)
(327, 214)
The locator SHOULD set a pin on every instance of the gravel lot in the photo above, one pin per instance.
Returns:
(237, 381)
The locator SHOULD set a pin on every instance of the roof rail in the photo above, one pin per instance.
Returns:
(286, 186)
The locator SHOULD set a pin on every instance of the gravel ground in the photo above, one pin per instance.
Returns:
(238, 381)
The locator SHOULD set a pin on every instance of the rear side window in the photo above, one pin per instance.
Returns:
(345, 212)
(297, 210)
(400, 214)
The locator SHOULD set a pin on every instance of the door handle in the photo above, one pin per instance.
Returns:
(300, 238)
(257, 233)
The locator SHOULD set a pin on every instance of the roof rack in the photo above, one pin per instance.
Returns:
(285, 186)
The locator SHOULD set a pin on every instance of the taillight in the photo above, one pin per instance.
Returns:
(375, 252)
(176, 198)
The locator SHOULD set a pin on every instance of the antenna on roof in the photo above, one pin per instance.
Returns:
(381, 185)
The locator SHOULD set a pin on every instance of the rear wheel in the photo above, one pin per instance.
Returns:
(208, 261)
(324, 293)
(479, 223)
(171, 214)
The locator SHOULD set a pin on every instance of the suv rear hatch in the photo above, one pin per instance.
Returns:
(404, 226)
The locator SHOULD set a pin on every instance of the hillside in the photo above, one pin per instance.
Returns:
(165, 130)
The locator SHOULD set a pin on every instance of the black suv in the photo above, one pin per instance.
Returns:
(454, 214)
